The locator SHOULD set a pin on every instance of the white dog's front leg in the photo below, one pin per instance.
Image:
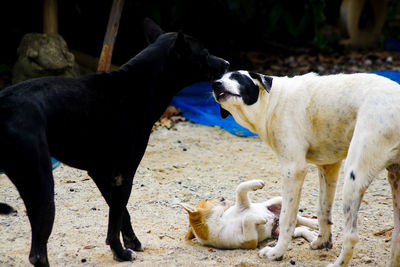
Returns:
(292, 182)
(327, 183)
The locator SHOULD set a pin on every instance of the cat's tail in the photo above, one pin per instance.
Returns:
(6, 209)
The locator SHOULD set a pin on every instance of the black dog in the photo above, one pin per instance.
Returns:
(100, 123)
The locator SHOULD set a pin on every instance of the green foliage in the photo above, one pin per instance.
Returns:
(4, 68)
(298, 19)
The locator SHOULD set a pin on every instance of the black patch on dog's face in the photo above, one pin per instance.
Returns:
(249, 91)
(264, 80)
(223, 112)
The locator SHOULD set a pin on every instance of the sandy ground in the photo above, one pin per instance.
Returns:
(187, 163)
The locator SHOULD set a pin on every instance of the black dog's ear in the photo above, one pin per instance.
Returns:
(180, 44)
(224, 113)
(152, 30)
(266, 81)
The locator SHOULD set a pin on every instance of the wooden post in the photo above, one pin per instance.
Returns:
(111, 33)
(50, 16)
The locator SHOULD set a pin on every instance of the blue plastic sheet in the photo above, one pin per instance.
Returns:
(198, 105)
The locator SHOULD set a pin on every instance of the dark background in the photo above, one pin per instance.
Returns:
(229, 28)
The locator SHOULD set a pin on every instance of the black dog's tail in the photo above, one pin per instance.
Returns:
(5, 209)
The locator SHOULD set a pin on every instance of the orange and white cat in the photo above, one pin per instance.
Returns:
(219, 224)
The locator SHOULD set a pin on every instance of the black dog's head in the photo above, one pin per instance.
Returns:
(188, 57)
(239, 88)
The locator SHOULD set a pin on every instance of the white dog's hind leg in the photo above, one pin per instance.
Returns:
(292, 182)
(359, 172)
(353, 190)
(394, 179)
(365, 159)
(327, 186)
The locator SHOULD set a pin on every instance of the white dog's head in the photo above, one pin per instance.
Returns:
(239, 88)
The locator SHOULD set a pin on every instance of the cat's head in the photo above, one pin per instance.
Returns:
(201, 215)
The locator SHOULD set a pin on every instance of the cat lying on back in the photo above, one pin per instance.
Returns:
(218, 224)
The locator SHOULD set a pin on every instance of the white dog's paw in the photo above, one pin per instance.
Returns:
(321, 243)
(271, 253)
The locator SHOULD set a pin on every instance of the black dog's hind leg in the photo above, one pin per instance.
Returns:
(30, 171)
(116, 196)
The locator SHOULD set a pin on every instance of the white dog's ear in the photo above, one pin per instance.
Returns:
(224, 113)
(265, 81)
(188, 208)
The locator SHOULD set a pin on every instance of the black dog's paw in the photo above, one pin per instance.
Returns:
(133, 243)
(126, 255)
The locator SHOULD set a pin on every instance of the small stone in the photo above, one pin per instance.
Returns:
(367, 260)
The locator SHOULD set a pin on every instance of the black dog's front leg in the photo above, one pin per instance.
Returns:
(128, 235)
(119, 196)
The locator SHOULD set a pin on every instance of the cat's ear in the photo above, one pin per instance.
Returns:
(190, 209)
(190, 235)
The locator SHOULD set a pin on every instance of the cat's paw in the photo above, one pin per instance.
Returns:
(250, 185)
(257, 184)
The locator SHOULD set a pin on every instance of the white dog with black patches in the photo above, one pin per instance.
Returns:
(322, 120)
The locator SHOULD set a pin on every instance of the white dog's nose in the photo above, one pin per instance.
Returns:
(217, 86)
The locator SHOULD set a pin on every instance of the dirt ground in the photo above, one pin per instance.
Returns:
(187, 163)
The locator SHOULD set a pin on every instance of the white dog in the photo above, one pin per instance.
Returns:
(322, 120)
(219, 224)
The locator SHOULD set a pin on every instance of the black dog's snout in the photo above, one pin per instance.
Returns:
(227, 64)
(217, 86)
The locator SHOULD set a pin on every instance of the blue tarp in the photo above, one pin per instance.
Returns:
(198, 105)
(54, 163)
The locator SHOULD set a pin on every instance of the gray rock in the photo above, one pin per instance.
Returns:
(41, 54)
